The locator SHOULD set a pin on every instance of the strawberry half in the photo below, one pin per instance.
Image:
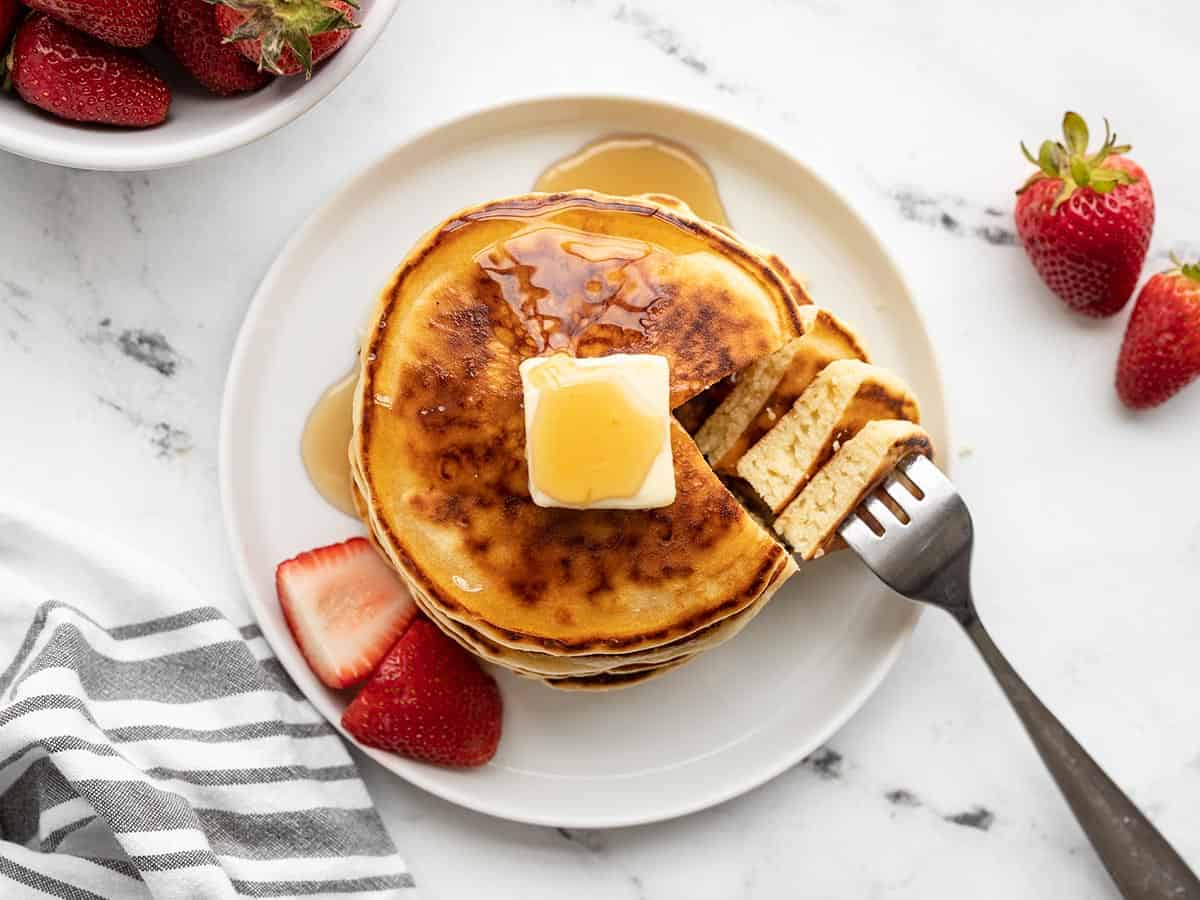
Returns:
(1161, 351)
(430, 701)
(1086, 219)
(345, 607)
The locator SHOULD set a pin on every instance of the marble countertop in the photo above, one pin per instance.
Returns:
(120, 296)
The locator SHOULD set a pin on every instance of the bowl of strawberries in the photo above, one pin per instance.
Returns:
(129, 85)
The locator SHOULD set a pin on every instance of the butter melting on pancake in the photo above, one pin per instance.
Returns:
(439, 430)
(597, 432)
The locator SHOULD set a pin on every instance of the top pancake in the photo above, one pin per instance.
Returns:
(439, 444)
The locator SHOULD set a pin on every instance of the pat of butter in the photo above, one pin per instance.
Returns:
(598, 431)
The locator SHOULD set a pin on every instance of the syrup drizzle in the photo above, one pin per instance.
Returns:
(623, 165)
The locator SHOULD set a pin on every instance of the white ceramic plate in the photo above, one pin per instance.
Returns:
(718, 727)
(199, 123)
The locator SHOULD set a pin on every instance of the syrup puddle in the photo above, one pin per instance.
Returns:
(619, 164)
(325, 443)
(638, 164)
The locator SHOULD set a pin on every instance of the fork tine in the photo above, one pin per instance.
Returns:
(857, 533)
(881, 513)
(899, 493)
(921, 471)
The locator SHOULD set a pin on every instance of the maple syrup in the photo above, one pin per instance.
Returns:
(621, 165)
(325, 443)
(638, 164)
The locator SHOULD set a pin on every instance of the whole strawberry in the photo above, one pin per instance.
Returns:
(429, 700)
(10, 12)
(1161, 351)
(122, 23)
(1085, 220)
(189, 31)
(286, 37)
(74, 76)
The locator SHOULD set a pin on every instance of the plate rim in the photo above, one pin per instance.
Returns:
(416, 773)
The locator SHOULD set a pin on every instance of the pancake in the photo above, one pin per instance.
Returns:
(547, 664)
(610, 681)
(438, 448)
(695, 412)
(769, 387)
(810, 522)
(836, 406)
(794, 285)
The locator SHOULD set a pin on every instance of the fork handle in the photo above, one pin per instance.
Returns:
(1139, 859)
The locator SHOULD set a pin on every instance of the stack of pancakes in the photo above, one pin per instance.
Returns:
(596, 599)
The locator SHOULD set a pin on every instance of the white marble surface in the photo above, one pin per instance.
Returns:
(120, 297)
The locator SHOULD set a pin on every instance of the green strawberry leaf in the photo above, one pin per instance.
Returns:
(1187, 270)
(1069, 161)
(1048, 158)
(302, 47)
(1068, 188)
(1075, 130)
(1079, 171)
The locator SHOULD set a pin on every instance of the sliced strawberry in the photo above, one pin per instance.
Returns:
(345, 606)
(431, 701)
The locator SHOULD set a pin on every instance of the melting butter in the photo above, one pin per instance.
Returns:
(597, 431)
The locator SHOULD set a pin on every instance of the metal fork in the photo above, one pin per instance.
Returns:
(928, 558)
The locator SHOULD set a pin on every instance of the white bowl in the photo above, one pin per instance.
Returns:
(199, 125)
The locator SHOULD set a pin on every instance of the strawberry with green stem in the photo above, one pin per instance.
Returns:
(286, 37)
(188, 29)
(1161, 351)
(1085, 219)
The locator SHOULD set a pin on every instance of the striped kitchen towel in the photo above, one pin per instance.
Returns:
(149, 748)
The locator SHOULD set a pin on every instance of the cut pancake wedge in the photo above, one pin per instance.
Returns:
(836, 406)
(810, 522)
(766, 390)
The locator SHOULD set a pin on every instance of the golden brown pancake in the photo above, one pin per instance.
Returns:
(610, 681)
(769, 387)
(546, 664)
(438, 451)
(810, 522)
(836, 406)
(695, 412)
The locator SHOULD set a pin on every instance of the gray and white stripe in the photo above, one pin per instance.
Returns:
(170, 756)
